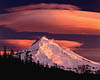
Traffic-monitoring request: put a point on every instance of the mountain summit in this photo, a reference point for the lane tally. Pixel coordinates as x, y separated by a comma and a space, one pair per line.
49, 53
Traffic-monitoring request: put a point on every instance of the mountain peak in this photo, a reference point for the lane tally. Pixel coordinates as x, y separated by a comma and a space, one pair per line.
44, 38
49, 53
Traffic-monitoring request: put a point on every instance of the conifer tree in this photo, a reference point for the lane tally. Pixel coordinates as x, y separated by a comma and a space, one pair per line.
5, 52
12, 52
30, 58
27, 56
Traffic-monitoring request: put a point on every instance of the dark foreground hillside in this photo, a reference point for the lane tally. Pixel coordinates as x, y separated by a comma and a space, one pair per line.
12, 65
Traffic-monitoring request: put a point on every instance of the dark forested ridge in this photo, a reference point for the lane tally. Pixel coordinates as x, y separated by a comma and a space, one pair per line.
12, 64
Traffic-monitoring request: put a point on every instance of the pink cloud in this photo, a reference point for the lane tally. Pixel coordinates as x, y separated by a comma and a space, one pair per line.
21, 44
53, 21
44, 6
67, 44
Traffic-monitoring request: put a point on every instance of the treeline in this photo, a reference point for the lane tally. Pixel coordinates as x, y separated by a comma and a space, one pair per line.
13, 60
12, 64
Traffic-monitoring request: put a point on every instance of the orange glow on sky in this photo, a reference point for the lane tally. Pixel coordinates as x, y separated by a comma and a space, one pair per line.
53, 21
67, 44
21, 44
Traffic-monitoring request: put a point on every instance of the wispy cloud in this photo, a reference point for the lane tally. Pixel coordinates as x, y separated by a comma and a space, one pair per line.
53, 21
67, 44
44, 6
21, 44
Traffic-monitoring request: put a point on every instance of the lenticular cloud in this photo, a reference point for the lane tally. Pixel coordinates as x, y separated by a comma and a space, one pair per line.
44, 6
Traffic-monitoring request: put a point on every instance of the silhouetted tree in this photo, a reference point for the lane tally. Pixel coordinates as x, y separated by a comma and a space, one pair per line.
27, 57
98, 71
32, 66
12, 52
84, 69
30, 58
0, 52
5, 52
18, 54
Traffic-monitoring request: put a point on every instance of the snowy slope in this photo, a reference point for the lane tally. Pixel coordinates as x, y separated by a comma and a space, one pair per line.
47, 52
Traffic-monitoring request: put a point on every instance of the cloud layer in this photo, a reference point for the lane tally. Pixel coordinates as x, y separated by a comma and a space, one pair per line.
44, 6
21, 44
53, 21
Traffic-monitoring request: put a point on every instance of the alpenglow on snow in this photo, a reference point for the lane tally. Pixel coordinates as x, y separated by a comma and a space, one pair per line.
49, 53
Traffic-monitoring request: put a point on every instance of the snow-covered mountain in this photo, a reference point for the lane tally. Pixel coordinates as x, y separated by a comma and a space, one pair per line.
47, 52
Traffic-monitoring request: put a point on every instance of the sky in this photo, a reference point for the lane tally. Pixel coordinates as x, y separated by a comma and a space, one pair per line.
72, 23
